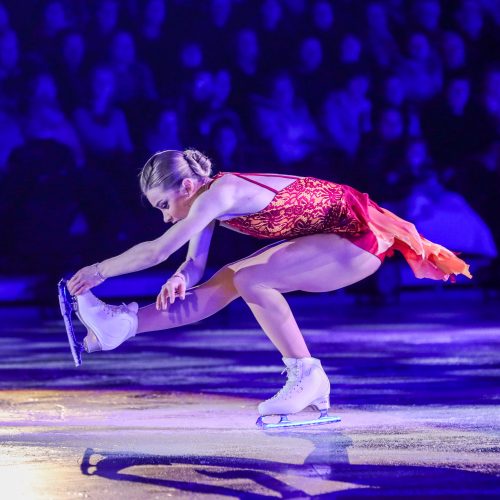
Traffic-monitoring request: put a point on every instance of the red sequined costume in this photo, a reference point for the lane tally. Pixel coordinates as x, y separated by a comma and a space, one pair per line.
310, 205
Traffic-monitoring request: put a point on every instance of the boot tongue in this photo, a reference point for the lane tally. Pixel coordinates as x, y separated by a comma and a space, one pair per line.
289, 362
306, 361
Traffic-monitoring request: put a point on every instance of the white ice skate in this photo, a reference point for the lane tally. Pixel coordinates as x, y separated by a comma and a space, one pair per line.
107, 325
307, 385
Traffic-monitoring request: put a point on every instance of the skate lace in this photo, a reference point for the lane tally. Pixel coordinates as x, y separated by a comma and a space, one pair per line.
292, 375
111, 310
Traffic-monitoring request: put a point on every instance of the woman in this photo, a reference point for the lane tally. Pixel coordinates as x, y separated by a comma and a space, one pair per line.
333, 236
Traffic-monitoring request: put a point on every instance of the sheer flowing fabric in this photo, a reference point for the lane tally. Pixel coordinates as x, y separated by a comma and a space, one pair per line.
427, 259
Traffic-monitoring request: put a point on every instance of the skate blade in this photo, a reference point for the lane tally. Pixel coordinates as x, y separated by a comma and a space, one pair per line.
65, 303
324, 418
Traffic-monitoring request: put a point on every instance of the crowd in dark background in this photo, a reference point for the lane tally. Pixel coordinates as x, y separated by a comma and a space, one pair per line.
400, 99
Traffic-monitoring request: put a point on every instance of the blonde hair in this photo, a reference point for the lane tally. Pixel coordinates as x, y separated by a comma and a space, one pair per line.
168, 168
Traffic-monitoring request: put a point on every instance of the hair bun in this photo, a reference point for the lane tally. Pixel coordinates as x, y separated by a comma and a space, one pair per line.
200, 164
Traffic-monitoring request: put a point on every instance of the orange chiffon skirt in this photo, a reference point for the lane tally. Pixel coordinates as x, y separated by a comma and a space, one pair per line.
387, 232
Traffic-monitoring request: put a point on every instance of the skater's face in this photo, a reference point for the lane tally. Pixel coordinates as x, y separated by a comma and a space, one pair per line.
174, 204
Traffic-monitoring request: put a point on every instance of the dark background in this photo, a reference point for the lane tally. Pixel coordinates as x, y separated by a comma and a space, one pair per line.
400, 99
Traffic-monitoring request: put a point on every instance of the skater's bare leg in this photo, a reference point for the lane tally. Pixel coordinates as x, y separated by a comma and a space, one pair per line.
275, 317
201, 302
314, 263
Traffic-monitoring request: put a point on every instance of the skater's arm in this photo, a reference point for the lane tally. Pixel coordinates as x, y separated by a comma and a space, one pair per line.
202, 214
204, 210
138, 257
190, 271
196, 260
207, 207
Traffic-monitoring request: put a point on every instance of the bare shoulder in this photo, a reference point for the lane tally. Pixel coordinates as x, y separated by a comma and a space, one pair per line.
218, 199
223, 183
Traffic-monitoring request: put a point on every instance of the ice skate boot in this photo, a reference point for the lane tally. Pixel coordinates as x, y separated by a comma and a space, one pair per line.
307, 385
108, 326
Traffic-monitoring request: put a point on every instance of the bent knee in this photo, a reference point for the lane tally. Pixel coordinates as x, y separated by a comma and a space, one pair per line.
235, 281
224, 279
247, 278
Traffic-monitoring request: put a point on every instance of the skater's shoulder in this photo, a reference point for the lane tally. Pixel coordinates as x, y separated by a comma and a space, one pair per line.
220, 186
220, 192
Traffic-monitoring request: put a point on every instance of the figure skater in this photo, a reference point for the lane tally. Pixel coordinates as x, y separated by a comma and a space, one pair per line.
330, 236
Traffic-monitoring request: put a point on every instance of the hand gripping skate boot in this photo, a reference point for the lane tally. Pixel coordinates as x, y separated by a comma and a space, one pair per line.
108, 326
307, 385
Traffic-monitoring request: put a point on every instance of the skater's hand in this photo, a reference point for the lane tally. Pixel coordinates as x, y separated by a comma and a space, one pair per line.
176, 284
83, 280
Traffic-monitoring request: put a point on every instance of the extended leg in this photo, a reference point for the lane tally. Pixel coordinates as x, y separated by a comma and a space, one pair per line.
201, 302
109, 326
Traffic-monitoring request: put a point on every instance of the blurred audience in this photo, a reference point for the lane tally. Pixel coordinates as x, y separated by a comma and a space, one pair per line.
284, 121
380, 41
12, 136
70, 67
165, 132
44, 118
101, 124
347, 114
421, 69
400, 99
134, 80
445, 217
453, 53
11, 74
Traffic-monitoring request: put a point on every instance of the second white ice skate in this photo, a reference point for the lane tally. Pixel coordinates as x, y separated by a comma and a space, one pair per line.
307, 385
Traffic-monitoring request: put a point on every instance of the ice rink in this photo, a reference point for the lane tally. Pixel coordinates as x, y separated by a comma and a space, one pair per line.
172, 413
